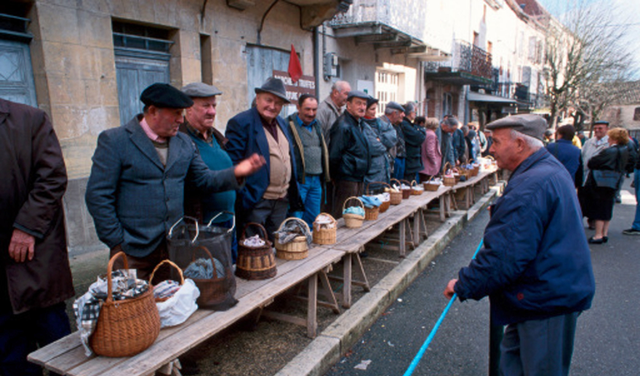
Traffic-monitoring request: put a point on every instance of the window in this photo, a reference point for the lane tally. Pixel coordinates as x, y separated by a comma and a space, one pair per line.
636, 114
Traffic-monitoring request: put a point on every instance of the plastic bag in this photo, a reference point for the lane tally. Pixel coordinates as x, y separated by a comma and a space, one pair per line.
177, 309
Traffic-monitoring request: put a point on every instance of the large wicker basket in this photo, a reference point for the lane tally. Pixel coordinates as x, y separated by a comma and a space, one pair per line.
125, 327
385, 204
416, 189
352, 220
448, 181
430, 186
255, 262
297, 249
324, 235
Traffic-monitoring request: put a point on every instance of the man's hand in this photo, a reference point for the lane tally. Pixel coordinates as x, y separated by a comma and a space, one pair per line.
22, 246
448, 292
249, 165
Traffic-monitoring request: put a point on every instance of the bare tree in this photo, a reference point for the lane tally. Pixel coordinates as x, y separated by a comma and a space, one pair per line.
584, 56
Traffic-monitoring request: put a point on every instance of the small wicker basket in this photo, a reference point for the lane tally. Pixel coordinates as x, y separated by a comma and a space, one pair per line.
396, 197
385, 204
430, 186
352, 220
324, 235
448, 181
297, 249
406, 193
416, 189
153, 273
125, 327
255, 262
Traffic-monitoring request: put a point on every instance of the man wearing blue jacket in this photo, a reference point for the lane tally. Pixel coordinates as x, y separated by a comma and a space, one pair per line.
535, 265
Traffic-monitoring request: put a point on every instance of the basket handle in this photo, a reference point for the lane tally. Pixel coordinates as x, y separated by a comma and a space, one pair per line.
414, 183
444, 168
394, 179
258, 225
153, 273
184, 219
294, 219
351, 198
206, 250
375, 182
328, 215
110, 269
405, 181
431, 178
233, 217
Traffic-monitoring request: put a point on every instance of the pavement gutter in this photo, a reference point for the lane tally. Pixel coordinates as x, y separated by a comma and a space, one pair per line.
326, 350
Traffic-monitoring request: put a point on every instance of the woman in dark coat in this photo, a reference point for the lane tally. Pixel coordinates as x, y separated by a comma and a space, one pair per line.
599, 200
414, 136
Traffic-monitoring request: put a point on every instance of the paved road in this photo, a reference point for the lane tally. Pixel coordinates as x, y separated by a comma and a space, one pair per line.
607, 340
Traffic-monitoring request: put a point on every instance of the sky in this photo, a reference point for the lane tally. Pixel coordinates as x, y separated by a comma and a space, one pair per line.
627, 10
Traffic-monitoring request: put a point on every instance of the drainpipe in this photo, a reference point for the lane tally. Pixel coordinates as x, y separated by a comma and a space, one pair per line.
316, 61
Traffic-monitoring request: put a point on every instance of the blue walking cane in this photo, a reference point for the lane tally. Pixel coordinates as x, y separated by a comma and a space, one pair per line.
427, 342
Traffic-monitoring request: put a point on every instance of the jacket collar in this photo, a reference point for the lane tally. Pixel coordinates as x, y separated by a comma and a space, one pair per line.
529, 162
142, 141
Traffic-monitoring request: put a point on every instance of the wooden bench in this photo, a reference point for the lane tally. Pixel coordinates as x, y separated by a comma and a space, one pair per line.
66, 356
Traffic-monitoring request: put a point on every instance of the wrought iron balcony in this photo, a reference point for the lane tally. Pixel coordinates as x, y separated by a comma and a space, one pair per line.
386, 23
469, 65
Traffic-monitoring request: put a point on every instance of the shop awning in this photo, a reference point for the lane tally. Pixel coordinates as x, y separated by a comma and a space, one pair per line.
478, 97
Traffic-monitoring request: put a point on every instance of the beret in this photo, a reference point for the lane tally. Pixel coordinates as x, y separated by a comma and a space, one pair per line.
200, 90
357, 94
395, 106
529, 124
165, 96
371, 101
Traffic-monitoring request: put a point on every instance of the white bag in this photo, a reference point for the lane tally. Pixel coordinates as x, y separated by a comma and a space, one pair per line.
177, 309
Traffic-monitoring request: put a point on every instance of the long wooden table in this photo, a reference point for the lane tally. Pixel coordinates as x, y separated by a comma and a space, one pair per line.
67, 357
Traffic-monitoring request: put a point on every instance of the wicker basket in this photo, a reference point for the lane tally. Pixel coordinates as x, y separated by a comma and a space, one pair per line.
476, 169
352, 220
385, 204
125, 327
416, 189
371, 214
153, 273
448, 181
324, 235
396, 197
297, 249
430, 186
255, 262
406, 193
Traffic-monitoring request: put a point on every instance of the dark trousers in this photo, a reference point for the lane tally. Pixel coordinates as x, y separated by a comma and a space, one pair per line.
268, 213
24, 333
144, 265
343, 190
538, 347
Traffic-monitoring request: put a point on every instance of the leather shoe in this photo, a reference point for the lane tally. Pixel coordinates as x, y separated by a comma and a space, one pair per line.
595, 241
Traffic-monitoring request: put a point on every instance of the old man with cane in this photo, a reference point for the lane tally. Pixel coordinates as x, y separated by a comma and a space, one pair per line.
535, 265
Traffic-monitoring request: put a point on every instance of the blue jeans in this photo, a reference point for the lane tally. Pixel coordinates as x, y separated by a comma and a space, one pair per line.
398, 169
311, 195
636, 181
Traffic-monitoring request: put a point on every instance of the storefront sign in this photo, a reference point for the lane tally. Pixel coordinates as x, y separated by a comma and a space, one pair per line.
305, 85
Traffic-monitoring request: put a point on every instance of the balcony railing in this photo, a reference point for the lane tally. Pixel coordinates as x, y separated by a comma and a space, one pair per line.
405, 16
465, 58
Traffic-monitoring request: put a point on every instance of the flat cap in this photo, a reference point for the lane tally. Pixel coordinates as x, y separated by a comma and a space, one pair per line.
529, 124
357, 94
409, 107
395, 106
200, 90
274, 86
601, 122
165, 96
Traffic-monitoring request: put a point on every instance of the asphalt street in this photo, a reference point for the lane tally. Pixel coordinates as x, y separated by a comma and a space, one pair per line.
607, 339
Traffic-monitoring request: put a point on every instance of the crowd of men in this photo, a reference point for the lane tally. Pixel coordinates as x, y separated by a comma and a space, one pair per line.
170, 161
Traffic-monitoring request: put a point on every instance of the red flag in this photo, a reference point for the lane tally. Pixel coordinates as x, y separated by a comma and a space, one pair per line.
295, 69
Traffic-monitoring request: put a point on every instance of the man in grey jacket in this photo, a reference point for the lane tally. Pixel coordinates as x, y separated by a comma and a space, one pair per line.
135, 191
331, 108
445, 134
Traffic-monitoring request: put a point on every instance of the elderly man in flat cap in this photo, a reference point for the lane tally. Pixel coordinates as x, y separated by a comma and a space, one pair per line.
349, 156
135, 191
414, 136
272, 191
535, 265
199, 126
393, 115
445, 133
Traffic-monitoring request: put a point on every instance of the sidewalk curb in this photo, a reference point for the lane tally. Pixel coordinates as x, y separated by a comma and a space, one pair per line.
327, 349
